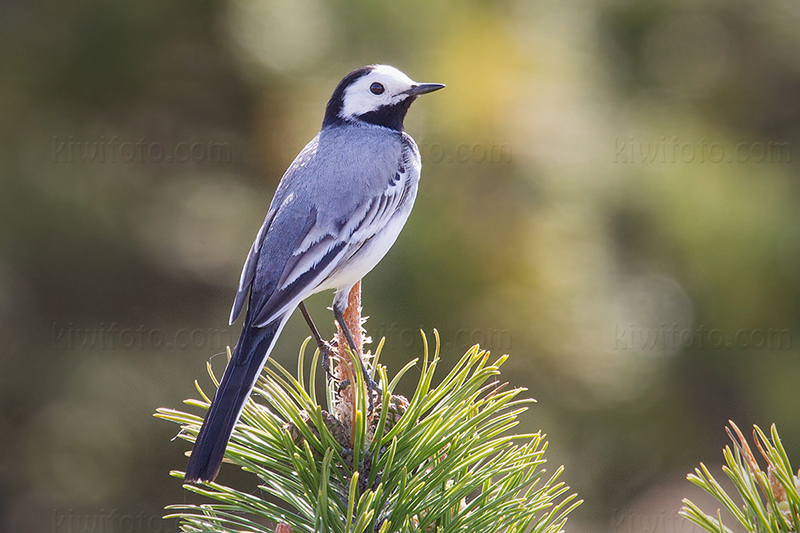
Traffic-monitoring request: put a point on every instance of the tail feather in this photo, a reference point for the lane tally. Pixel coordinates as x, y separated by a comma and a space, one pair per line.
240, 375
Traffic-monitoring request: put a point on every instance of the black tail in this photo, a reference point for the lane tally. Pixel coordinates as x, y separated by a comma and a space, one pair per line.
240, 375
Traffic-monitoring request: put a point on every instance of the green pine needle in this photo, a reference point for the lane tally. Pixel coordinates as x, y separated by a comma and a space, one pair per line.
442, 462
769, 499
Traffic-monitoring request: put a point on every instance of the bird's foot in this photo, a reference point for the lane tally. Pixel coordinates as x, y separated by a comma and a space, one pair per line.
327, 352
372, 387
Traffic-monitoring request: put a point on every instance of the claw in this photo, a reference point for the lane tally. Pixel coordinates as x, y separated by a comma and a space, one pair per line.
370, 383
372, 387
324, 347
327, 351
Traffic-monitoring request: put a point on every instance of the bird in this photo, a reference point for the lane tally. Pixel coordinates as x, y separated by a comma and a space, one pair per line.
336, 212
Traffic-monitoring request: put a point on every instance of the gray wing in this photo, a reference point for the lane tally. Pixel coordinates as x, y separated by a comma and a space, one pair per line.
322, 249
379, 210
302, 244
249, 270
283, 197
273, 253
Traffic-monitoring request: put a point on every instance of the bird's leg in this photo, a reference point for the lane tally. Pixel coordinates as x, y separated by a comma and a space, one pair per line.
324, 348
371, 385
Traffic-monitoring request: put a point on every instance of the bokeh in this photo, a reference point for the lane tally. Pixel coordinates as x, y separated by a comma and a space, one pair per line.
609, 194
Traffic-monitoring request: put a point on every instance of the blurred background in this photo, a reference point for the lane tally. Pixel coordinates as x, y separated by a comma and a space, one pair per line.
609, 194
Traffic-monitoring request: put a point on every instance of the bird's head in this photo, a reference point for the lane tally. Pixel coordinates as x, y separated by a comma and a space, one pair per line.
377, 94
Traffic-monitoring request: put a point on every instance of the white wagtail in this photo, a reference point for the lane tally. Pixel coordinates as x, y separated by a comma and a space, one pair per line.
336, 212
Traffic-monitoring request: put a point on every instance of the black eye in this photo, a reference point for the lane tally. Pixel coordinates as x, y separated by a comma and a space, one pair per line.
376, 88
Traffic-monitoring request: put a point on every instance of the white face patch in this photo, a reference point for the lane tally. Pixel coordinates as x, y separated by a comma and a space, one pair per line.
359, 99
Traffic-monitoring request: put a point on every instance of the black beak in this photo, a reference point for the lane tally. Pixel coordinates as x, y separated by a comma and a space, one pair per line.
424, 88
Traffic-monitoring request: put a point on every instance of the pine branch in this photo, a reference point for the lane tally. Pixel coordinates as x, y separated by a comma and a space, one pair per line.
443, 461
770, 501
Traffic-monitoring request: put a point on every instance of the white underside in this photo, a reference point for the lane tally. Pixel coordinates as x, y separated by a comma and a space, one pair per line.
345, 276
